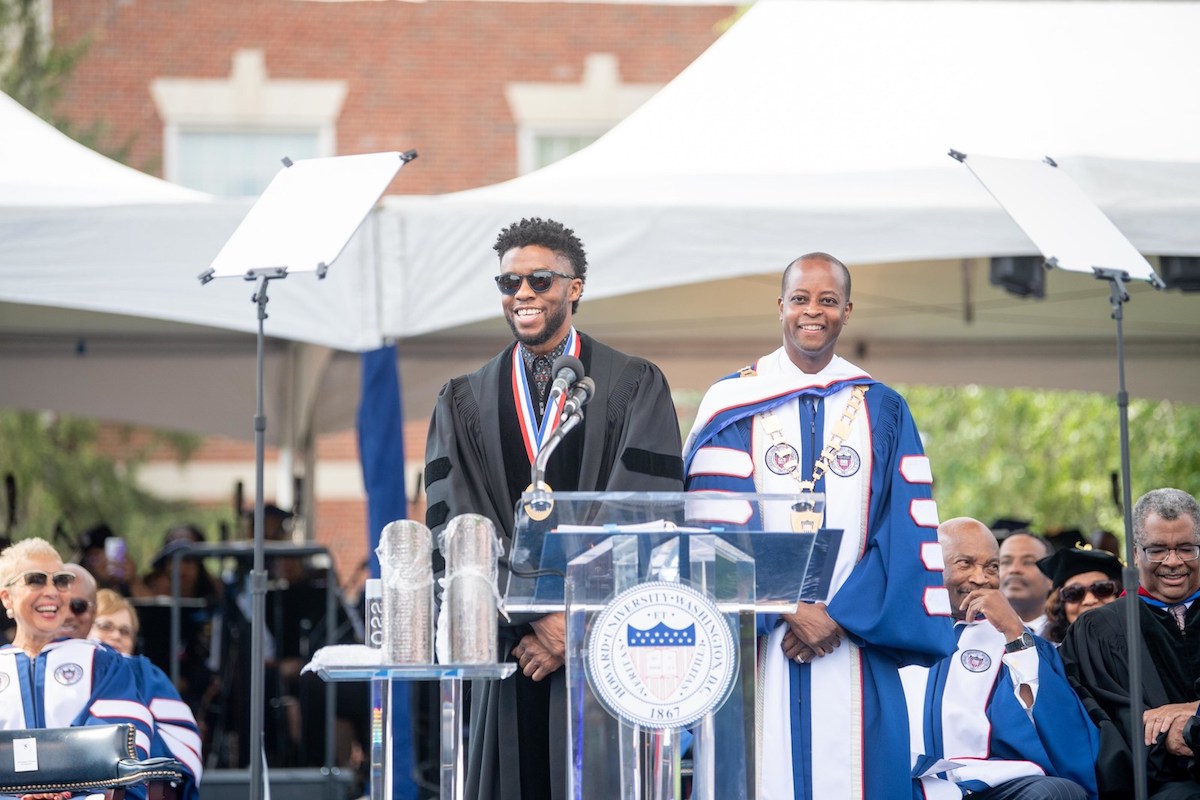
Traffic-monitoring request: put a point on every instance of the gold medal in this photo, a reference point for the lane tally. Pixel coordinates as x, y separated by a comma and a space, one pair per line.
807, 514
538, 510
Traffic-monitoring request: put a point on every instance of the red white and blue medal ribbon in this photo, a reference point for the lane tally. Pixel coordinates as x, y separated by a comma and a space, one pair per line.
532, 431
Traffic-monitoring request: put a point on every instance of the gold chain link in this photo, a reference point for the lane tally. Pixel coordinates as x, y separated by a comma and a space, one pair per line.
803, 517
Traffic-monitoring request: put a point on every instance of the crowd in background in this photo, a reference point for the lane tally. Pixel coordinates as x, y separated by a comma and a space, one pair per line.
1049, 581
115, 602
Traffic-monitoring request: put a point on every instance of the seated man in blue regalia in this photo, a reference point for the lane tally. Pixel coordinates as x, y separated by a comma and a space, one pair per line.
997, 719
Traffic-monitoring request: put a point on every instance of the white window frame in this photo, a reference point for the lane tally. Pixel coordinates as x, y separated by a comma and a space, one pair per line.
248, 101
590, 107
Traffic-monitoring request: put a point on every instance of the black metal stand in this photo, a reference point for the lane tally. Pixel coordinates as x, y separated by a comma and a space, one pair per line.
1133, 633
258, 573
348, 183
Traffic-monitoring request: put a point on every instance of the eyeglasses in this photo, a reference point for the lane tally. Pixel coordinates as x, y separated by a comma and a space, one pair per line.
1157, 555
540, 280
36, 579
78, 605
111, 627
1101, 590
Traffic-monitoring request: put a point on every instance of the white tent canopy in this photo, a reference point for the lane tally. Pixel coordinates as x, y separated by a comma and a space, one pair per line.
827, 124
101, 313
42, 167
811, 124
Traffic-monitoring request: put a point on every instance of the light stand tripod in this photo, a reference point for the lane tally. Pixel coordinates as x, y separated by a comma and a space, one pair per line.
1073, 234
1120, 296
332, 196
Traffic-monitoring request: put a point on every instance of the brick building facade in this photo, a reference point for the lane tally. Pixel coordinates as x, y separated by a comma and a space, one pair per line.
468, 84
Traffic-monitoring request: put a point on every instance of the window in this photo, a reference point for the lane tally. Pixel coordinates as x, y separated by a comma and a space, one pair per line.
236, 163
556, 119
229, 137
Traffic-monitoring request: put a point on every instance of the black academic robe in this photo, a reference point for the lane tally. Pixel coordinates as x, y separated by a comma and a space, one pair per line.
476, 462
1095, 653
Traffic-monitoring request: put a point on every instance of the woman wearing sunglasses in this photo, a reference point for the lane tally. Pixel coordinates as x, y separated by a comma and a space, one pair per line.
1081, 580
48, 680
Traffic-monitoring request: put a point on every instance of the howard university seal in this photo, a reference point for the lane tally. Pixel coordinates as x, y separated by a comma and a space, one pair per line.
68, 674
976, 660
846, 462
661, 655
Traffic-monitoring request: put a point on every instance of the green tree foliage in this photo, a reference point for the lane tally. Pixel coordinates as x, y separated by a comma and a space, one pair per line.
1049, 457
1045, 456
65, 484
35, 69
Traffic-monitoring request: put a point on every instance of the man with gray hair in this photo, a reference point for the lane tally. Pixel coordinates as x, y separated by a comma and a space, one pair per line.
1166, 538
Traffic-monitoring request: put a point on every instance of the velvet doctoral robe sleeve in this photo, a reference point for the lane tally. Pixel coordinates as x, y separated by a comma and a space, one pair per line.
637, 448
116, 698
894, 599
462, 473
176, 734
1060, 738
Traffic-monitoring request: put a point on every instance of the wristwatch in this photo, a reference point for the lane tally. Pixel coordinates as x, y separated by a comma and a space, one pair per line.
1022, 642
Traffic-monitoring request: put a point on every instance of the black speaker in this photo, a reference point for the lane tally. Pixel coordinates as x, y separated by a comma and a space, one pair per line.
1020, 275
1181, 272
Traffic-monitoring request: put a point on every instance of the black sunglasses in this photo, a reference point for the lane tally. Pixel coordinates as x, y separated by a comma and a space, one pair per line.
36, 579
540, 280
78, 605
1101, 590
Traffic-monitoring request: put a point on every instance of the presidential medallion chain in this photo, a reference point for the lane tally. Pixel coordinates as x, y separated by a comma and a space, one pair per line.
805, 516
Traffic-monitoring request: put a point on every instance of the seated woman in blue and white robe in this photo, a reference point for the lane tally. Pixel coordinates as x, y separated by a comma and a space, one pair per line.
48, 681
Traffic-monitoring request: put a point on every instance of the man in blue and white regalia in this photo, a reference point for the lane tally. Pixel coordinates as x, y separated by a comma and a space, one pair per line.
998, 718
833, 721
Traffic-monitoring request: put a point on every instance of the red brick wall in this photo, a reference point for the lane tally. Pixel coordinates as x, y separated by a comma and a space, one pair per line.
428, 76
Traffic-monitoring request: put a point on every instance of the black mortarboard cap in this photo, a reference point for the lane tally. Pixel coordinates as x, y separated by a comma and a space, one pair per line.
1072, 561
1005, 527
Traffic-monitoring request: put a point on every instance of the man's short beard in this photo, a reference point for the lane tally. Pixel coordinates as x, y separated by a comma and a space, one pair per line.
554, 321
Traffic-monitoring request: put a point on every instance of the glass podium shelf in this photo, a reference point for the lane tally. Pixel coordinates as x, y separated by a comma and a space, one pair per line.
414, 672
381, 678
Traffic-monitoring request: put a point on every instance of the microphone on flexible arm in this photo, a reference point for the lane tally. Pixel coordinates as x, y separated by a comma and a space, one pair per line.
567, 370
539, 507
581, 393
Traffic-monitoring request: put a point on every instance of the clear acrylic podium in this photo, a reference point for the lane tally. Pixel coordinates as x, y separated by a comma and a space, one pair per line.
660, 592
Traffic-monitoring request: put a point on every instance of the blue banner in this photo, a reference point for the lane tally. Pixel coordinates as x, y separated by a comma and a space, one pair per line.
381, 449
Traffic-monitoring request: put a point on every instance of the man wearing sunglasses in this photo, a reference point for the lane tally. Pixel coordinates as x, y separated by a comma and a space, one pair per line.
1000, 706
484, 436
82, 606
1166, 551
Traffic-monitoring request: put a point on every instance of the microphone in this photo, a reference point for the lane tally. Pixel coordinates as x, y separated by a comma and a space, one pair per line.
567, 369
581, 393
572, 415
